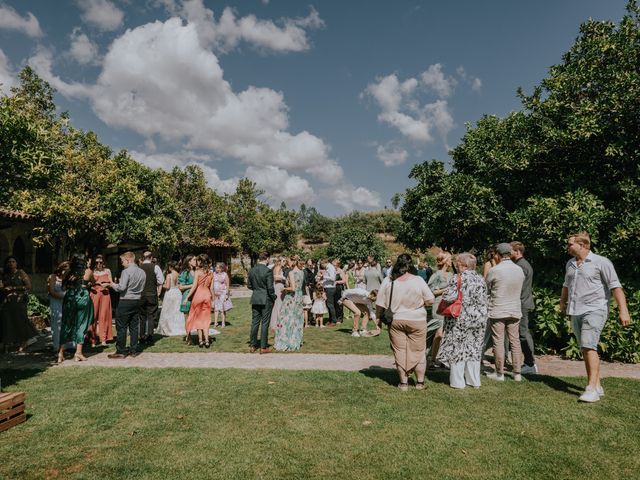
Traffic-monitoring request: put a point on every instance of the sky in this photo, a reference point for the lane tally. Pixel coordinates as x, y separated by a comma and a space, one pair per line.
328, 103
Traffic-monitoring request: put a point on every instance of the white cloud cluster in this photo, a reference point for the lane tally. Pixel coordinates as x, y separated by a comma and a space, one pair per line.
392, 155
82, 49
161, 81
103, 14
12, 20
474, 82
226, 33
401, 108
349, 197
7, 75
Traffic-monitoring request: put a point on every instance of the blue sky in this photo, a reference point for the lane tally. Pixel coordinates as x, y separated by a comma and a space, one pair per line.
328, 103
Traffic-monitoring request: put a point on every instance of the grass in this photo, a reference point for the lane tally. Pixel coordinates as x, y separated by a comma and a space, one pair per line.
97, 423
235, 337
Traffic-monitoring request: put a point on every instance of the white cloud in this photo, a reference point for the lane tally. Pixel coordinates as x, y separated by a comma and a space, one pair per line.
82, 49
7, 75
279, 185
474, 82
402, 106
392, 156
351, 198
225, 34
102, 14
160, 81
167, 161
433, 78
11, 20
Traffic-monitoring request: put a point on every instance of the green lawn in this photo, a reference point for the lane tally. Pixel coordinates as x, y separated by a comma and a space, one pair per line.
88, 423
235, 337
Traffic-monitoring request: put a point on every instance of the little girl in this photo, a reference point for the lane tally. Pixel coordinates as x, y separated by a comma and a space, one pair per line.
319, 307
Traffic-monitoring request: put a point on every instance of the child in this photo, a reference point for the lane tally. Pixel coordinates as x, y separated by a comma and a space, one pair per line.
319, 307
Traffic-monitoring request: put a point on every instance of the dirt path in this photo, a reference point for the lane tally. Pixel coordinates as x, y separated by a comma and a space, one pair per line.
548, 365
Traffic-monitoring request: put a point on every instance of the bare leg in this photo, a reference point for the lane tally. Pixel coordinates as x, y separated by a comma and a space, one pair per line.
79, 357
61, 354
215, 319
592, 363
435, 346
223, 316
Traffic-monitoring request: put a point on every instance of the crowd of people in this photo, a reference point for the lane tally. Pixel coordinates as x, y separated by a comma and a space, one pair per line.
447, 318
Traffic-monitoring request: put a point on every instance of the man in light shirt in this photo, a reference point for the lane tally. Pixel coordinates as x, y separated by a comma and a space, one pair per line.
590, 280
504, 286
329, 284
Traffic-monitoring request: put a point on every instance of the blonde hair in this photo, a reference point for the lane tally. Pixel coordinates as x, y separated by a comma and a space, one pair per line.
582, 238
129, 256
443, 258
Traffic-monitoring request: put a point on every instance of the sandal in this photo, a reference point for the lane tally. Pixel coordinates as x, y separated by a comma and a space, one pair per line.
403, 387
201, 344
420, 386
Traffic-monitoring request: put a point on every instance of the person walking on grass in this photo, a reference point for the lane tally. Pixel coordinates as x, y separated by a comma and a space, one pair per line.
590, 280
260, 282
504, 285
527, 306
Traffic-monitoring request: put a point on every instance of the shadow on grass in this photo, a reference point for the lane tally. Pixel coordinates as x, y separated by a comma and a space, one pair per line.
557, 384
389, 375
12, 376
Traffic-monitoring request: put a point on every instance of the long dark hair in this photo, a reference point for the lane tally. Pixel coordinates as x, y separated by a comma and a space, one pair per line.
404, 264
171, 265
77, 267
184, 266
204, 261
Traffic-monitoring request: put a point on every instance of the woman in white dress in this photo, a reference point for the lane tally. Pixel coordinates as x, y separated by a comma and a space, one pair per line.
171, 318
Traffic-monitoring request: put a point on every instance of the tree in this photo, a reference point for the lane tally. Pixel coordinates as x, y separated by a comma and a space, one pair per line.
354, 243
568, 160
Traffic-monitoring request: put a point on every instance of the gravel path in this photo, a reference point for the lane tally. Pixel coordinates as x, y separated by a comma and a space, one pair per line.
548, 365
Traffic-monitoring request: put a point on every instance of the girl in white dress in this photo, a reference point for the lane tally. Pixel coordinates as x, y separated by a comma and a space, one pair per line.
319, 308
171, 318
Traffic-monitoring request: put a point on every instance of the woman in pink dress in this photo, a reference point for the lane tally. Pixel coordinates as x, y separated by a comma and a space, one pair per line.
220, 294
200, 296
102, 326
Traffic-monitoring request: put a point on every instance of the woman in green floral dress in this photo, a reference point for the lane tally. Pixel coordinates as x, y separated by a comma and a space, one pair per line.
185, 282
290, 324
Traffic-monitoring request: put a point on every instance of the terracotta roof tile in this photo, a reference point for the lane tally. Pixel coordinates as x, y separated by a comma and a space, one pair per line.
14, 214
218, 242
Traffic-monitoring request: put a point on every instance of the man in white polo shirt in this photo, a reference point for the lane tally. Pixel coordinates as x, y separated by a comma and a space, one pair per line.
589, 282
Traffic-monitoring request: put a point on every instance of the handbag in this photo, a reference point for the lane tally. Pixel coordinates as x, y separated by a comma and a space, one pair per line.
227, 305
387, 315
452, 309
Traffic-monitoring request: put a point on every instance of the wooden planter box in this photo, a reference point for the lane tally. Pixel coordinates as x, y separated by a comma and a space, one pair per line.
11, 410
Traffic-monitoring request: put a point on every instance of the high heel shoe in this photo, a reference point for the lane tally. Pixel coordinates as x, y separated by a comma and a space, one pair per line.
201, 344
60, 358
79, 358
207, 344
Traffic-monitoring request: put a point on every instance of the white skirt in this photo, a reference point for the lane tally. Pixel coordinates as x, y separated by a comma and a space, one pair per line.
171, 322
319, 307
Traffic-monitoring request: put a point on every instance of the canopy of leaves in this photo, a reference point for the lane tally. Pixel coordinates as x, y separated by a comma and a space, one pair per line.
354, 243
569, 160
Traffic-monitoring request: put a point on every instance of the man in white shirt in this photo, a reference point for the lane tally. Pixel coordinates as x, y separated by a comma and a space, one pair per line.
329, 284
361, 303
504, 286
590, 280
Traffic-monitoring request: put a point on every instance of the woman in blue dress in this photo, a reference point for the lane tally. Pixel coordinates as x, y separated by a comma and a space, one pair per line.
56, 295
290, 324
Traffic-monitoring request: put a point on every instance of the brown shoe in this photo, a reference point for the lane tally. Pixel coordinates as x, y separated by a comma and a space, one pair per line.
134, 354
253, 349
116, 355
265, 350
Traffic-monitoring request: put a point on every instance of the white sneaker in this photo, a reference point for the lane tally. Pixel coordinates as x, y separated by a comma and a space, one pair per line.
590, 395
496, 376
355, 333
364, 333
517, 377
527, 370
600, 391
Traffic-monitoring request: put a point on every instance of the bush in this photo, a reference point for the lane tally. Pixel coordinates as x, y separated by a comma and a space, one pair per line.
237, 279
552, 330
36, 308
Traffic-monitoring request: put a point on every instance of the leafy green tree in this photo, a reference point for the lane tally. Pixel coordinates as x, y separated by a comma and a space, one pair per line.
354, 243
568, 160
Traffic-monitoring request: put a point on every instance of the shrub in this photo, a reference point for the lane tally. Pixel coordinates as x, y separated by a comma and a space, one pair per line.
552, 330
36, 308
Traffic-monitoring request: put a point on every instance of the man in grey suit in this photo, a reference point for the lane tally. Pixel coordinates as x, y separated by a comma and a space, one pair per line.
262, 298
526, 300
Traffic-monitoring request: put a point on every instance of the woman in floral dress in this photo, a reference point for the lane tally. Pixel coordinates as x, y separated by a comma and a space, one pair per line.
290, 324
463, 336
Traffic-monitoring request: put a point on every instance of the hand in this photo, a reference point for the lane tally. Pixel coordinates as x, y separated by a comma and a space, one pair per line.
625, 320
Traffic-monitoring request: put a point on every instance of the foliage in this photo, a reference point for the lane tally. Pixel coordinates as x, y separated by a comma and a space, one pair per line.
355, 243
552, 330
313, 226
36, 308
568, 160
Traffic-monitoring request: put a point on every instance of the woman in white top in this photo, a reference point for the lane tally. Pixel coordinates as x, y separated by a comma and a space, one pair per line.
408, 331
360, 303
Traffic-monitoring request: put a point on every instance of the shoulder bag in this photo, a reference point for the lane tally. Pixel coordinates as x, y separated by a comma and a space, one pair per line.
387, 315
452, 309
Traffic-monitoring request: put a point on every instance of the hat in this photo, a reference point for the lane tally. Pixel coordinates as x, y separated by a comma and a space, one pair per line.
503, 249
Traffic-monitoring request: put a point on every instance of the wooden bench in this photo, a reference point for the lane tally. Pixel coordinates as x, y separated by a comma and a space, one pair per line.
11, 410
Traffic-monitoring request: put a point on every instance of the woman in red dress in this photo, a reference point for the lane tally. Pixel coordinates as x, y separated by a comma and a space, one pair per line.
200, 296
102, 315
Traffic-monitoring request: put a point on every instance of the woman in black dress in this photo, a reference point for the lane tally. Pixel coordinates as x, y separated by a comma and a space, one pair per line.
15, 326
